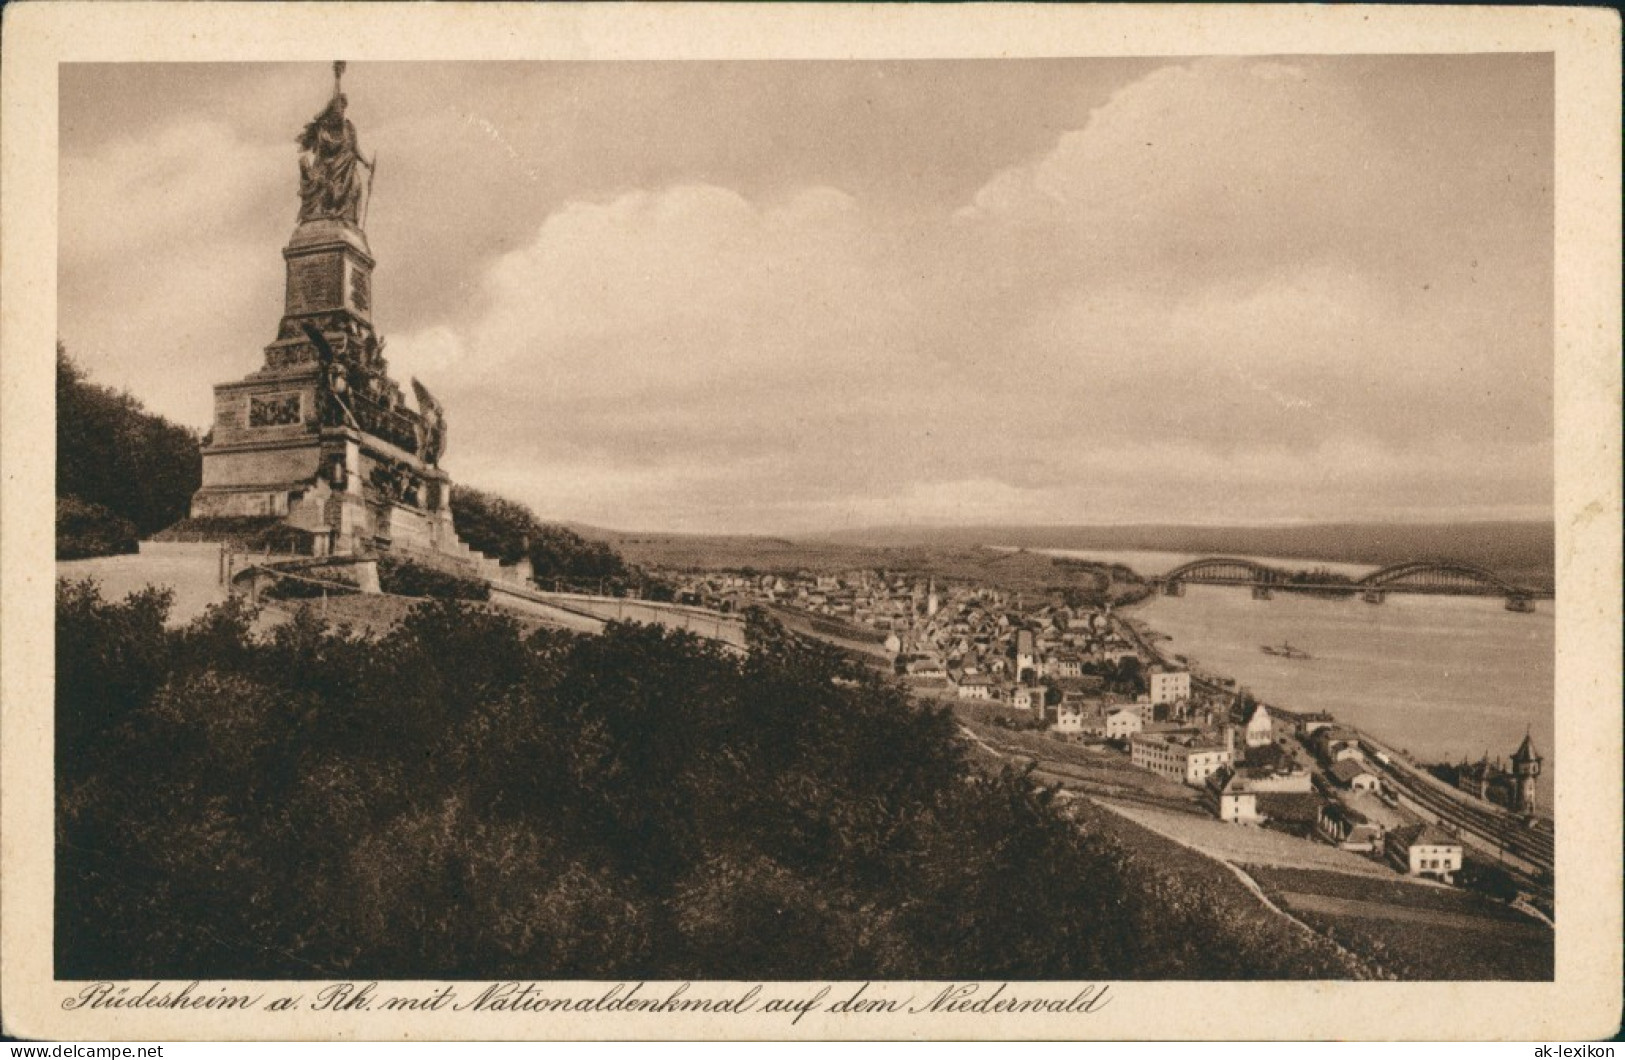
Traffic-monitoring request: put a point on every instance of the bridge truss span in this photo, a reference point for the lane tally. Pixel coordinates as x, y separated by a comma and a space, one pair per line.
1436, 577
1425, 576
1223, 570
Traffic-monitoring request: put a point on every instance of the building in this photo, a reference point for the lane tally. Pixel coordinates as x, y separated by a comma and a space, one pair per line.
1122, 723
1526, 763
1071, 718
1026, 654
1064, 664
1242, 795
1029, 697
1169, 685
1348, 828
1334, 743
1514, 787
1423, 850
975, 686
925, 666
1188, 756
1231, 798
1353, 774
1257, 727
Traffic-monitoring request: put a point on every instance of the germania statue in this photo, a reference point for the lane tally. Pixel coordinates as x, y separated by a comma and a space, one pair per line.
330, 163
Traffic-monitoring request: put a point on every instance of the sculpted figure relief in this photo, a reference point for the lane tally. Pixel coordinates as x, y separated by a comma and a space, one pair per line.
330, 163
432, 433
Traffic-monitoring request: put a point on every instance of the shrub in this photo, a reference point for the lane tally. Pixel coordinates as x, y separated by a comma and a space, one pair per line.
509, 530
308, 585
112, 452
84, 529
457, 800
403, 577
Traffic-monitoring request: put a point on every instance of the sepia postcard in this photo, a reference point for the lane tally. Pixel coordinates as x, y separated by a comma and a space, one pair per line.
810, 521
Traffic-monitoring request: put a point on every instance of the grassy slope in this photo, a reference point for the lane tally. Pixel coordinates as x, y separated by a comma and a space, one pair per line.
1500, 944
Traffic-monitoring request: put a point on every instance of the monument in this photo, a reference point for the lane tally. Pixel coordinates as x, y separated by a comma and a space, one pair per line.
320, 437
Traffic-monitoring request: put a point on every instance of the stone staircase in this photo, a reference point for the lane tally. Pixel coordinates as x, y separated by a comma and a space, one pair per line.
458, 558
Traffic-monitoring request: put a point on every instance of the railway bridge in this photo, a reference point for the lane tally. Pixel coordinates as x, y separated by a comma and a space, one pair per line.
1430, 577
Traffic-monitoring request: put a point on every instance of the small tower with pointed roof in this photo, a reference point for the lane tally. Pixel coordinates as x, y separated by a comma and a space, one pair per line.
1525, 768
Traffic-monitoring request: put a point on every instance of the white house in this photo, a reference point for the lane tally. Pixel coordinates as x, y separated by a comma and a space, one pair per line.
1258, 728
1122, 724
1423, 850
976, 686
1187, 757
1232, 798
1169, 685
1028, 697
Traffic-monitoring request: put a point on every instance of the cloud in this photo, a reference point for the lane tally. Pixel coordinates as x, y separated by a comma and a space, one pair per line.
163, 257
190, 180
1239, 289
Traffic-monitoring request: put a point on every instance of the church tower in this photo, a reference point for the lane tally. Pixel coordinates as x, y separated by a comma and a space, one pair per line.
1525, 768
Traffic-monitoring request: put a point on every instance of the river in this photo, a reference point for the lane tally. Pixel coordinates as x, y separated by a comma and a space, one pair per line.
1439, 676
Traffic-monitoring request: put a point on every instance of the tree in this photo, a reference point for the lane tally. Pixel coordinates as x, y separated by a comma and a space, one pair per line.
117, 464
509, 530
456, 798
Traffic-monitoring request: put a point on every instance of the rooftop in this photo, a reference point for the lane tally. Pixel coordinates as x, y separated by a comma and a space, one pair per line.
1423, 835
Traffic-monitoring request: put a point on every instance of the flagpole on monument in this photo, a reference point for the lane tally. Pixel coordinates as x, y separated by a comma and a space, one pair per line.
339, 66
366, 207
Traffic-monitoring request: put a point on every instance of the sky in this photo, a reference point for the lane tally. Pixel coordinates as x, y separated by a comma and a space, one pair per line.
780, 297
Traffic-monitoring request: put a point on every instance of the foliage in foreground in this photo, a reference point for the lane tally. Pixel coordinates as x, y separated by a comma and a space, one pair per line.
453, 799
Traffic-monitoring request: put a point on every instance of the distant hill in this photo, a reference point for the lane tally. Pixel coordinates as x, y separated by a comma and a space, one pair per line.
1515, 548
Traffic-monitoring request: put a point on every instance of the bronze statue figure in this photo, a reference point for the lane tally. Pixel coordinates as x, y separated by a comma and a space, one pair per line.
432, 444
330, 163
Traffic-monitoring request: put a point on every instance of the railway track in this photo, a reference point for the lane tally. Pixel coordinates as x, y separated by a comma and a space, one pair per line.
1493, 829
1534, 846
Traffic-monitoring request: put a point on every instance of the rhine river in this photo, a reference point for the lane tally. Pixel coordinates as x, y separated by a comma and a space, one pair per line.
1438, 676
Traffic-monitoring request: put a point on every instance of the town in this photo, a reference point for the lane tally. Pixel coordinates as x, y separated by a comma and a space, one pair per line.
1091, 677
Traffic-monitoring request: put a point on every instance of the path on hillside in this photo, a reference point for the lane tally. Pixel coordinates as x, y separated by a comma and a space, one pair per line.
1251, 885
1242, 844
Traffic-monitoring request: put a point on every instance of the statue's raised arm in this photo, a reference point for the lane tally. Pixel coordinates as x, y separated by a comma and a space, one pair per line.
330, 161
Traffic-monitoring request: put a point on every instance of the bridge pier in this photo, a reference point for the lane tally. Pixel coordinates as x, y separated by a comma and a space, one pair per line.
1261, 592
1374, 596
1520, 603
1175, 588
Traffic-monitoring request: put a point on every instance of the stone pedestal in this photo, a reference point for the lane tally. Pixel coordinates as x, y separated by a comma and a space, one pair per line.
320, 437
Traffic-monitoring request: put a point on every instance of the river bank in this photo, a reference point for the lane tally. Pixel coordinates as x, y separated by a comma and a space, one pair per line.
1442, 678
1487, 823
